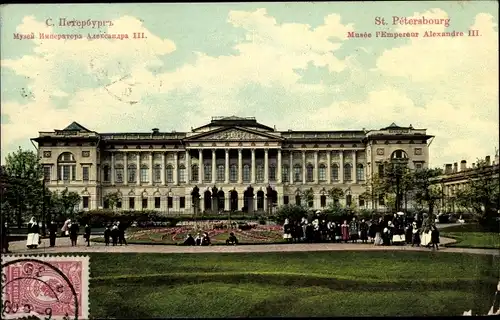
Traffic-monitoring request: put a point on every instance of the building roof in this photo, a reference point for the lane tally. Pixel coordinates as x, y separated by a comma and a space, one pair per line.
75, 126
234, 121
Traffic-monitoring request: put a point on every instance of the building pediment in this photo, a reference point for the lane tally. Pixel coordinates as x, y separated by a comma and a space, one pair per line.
233, 134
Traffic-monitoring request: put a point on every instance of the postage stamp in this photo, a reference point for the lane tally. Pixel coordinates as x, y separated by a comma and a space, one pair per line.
47, 287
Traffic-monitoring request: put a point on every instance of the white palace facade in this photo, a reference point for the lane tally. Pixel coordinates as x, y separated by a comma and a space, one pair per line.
241, 157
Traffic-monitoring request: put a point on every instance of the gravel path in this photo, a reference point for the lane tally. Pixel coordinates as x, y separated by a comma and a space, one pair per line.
63, 246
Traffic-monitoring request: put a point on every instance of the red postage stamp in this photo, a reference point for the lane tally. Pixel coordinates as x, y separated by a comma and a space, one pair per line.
47, 287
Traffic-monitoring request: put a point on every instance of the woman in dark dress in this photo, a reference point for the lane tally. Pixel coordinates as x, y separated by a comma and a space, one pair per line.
52, 233
74, 229
87, 234
434, 237
363, 227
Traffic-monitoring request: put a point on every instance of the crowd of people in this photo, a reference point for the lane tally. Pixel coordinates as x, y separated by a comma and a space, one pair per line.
204, 240
382, 231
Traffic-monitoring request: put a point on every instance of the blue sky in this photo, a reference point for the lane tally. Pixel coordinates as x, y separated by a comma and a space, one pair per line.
287, 64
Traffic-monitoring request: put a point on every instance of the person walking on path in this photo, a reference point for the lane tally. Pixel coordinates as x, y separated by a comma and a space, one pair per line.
74, 229
434, 238
121, 234
115, 233
107, 235
87, 234
52, 234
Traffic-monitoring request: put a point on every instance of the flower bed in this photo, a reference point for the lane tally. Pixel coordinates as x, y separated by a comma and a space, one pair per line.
252, 233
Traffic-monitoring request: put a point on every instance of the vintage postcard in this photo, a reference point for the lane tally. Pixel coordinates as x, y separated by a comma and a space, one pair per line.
287, 159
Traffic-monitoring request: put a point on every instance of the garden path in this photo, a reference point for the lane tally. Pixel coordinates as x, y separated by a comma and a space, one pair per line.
63, 246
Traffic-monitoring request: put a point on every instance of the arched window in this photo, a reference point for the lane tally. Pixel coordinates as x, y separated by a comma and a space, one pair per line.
399, 154
207, 172
233, 173
285, 173
157, 173
144, 173
119, 173
246, 173
335, 172
347, 172
322, 172
221, 174
106, 170
170, 174
195, 172
272, 172
182, 173
297, 173
132, 171
360, 172
66, 167
260, 173
310, 173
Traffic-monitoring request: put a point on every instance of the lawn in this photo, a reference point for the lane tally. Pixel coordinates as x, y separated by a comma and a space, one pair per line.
471, 236
290, 284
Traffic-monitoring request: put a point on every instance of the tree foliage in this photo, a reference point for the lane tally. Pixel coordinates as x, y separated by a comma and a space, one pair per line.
290, 211
335, 194
481, 194
64, 204
23, 197
308, 196
112, 199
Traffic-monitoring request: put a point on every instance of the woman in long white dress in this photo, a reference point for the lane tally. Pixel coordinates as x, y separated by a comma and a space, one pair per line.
33, 234
287, 230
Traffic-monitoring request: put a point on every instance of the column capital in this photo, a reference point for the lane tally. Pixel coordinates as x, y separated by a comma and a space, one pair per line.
226, 150
240, 150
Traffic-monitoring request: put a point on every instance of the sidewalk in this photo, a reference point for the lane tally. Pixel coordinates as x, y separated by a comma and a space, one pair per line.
63, 245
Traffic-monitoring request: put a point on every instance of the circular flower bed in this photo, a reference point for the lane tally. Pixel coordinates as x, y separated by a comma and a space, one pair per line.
245, 232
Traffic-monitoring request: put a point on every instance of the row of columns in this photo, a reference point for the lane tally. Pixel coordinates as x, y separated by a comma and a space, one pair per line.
240, 167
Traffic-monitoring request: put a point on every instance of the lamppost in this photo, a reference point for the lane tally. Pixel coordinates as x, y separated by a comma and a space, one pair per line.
398, 167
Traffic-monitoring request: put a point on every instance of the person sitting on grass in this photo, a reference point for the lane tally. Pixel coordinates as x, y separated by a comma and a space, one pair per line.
189, 241
205, 241
232, 239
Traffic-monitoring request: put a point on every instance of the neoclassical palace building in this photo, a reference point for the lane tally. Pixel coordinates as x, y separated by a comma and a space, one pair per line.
238, 158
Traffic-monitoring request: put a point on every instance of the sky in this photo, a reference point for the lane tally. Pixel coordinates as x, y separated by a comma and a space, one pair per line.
290, 65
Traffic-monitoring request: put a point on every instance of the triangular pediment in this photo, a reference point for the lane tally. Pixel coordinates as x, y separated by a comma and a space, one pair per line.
75, 126
233, 134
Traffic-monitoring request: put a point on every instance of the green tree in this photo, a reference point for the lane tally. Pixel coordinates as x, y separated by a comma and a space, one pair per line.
290, 211
308, 197
64, 203
425, 191
481, 194
112, 199
24, 196
335, 194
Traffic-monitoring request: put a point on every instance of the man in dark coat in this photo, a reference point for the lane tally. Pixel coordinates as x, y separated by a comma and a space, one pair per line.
5, 238
107, 235
87, 234
363, 228
121, 234
52, 233
74, 229
115, 234
189, 241
434, 237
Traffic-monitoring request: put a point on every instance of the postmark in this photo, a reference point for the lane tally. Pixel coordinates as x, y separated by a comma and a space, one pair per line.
46, 287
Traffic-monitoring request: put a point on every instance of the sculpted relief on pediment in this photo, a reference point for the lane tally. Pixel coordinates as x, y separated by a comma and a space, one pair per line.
234, 135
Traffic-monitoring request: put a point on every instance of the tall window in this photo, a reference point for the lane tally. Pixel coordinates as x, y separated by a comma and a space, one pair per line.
221, 173
310, 173
106, 173
85, 173
207, 172
182, 174
347, 172
66, 167
233, 173
195, 172
46, 173
322, 172
285, 175
360, 172
381, 170
246, 173
297, 173
144, 203
131, 202
119, 173
157, 202
322, 201
85, 201
335, 172
157, 173
132, 171
418, 165
272, 173
260, 173
144, 173
170, 174
182, 202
